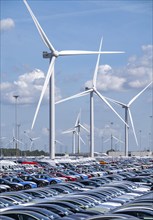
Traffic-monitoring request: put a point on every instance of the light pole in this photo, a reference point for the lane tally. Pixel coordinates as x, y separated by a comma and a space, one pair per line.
149, 142
102, 144
18, 134
151, 133
16, 125
112, 136
140, 141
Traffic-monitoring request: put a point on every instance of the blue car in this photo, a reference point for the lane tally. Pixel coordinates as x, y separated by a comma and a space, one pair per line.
52, 180
26, 184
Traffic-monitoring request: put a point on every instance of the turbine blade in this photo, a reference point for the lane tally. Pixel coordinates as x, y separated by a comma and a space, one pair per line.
78, 118
84, 52
13, 132
135, 97
68, 131
74, 96
39, 28
56, 141
103, 98
18, 141
2, 138
115, 101
132, 124
50, 70
117, 139
9, 143
82, 140
106, 140
84, 128
33, 139
97, 65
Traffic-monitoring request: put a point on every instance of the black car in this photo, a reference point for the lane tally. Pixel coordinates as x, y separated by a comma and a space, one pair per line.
143, 180
14, 186
20, 214
39, 182
141, 212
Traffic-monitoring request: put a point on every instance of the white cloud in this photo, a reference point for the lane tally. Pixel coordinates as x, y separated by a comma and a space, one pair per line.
106, 80
139, 69
28, 86
136, 74
7, 24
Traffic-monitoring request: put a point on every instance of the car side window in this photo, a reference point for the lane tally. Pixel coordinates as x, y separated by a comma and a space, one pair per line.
143, 215
25, 217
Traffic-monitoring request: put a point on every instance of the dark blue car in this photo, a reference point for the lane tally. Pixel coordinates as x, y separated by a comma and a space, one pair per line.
52, 180
26, 184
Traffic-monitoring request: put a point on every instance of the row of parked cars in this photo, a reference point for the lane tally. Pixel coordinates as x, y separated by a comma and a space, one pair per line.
116, 190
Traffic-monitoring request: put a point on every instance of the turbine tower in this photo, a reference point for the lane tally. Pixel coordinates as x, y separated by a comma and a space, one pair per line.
76, 130
91, 91
128, 113
50, 77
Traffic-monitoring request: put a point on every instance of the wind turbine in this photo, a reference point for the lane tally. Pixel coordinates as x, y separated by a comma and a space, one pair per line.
60, 144
91, 91
111, 140
14, 140
76, 130
128, 113
50, 77
31, 140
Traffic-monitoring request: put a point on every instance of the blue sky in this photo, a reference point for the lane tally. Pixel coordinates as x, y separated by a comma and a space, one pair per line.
124, 25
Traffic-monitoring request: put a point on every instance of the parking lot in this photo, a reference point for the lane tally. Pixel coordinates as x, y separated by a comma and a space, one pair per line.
77, 189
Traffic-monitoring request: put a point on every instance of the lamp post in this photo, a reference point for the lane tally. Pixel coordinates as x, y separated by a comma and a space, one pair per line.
16, 125
112, 136
102, 144
151, 133
140, 141
18, 134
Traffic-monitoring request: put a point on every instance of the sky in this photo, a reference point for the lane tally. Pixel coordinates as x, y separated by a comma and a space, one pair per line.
80, 25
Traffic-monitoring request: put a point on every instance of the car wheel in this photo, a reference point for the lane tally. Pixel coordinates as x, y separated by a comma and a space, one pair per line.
27, 187
53, 182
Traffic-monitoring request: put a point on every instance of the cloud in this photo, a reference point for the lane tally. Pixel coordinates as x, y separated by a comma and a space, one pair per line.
28, 86
6, 24
106, 79
139, 69
135, 75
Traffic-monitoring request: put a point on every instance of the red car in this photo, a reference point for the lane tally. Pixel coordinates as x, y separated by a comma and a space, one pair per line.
69, 177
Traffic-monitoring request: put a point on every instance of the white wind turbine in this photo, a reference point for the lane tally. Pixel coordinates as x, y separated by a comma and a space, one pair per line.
128, 113
31, 140
76, 130
91, 91
57, 142
14, 140
50, 77
111, 140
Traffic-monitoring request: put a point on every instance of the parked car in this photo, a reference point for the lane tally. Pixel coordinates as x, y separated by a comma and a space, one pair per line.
39, 182
20, 214
52, 180
113, 217
69, 177
141, 212
143, 180
4, 188
14, 186
25, 184
89, 182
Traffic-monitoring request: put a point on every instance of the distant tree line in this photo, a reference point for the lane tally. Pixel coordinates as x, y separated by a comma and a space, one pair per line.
4, 152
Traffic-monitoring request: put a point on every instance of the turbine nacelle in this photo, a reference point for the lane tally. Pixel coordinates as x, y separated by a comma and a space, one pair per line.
50, 55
